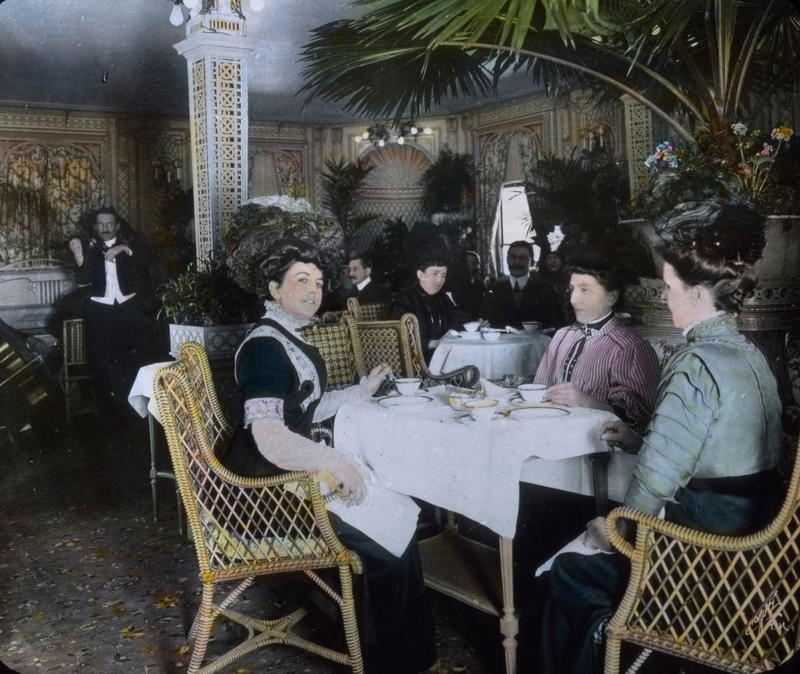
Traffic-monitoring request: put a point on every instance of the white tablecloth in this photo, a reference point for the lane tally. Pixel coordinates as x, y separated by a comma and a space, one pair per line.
511, 354
141, 397
472, 468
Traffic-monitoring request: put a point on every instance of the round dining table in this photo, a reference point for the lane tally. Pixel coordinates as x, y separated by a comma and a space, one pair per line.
512, 353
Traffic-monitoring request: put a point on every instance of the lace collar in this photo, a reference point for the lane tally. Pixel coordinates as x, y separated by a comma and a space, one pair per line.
275, 312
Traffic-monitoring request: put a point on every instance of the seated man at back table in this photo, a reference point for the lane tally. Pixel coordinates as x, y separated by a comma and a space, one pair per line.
364, 288
513, 300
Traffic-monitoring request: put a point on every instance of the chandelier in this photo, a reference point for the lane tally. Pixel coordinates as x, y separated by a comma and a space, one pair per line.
379, 134
176, 17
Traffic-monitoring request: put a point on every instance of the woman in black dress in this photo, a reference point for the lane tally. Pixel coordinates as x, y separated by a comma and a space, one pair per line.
282, 380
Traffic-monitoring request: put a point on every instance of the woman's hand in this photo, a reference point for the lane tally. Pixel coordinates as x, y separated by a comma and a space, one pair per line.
571, 396
596, 536
370, 384
351, 485
619, 434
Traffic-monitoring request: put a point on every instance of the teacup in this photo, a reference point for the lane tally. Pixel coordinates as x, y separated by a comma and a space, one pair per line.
407, 387
481, 409
533, 393
491, 336
531, 326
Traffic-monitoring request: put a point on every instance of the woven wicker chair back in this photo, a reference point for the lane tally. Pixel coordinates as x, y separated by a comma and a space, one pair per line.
729, 602
375, 311
198, 370
376, 342
333, 342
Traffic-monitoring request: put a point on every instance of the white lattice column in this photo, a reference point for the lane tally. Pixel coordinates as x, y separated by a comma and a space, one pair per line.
215, 49
639, 129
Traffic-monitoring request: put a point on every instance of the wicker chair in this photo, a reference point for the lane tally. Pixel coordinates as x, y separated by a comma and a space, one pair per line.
468, 376
333, 342
732, 603
246, 527
377, 311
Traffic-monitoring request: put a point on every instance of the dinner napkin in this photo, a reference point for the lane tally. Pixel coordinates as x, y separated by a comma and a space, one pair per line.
453, 334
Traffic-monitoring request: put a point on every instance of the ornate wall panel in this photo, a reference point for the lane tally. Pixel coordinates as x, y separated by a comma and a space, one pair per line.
46, 187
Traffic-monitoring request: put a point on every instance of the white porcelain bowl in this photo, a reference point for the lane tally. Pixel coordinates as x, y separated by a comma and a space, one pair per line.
482, 409
533, 393
407, 387
491, 336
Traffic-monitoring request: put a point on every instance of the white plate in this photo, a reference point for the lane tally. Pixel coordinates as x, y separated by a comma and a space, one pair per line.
538, 412
405, 401
469, 421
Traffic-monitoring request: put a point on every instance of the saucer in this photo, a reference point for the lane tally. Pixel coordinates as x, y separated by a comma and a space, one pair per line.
531, 411
405, 401
469, 421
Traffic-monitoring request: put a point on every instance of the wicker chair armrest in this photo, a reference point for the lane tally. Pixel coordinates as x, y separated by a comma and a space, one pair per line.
646, 523
468, 376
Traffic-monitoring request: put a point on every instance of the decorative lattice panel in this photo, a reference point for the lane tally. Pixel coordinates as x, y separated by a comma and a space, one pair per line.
638, 123
203, 221
227, 123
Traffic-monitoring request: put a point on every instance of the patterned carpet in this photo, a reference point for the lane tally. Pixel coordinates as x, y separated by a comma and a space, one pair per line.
90, 583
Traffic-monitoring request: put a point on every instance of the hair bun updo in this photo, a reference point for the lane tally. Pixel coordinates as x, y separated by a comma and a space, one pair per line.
714, 243
726, 230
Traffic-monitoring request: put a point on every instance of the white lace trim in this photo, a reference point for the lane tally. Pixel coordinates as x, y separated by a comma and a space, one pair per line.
262, 408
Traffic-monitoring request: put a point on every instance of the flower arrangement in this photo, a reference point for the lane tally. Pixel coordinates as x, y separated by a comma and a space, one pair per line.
763, 168
757, 154
663, 158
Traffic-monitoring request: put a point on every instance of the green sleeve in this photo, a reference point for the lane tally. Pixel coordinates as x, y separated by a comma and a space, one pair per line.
686, 406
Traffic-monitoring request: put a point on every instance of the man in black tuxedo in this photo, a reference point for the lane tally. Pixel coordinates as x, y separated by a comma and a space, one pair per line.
513, 299
364, 288
117, 271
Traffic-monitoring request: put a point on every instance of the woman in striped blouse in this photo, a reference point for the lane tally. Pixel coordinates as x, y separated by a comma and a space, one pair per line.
597, 361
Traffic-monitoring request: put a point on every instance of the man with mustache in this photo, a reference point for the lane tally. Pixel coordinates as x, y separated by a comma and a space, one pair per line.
513, 299
117, 271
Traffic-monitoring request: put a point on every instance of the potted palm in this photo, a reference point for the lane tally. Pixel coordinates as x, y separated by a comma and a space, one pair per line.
205, 305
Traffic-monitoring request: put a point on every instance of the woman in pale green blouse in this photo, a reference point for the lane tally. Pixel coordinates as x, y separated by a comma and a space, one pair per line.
709, 454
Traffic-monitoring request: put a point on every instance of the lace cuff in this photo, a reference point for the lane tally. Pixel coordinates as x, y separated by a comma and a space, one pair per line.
262, 408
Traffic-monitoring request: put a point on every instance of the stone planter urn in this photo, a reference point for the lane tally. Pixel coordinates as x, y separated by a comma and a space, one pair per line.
220, 341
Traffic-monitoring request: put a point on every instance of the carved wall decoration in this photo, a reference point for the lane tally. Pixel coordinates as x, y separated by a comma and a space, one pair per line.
45, 189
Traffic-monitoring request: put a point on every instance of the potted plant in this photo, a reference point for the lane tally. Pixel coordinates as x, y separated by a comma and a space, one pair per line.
205, 305
449, 183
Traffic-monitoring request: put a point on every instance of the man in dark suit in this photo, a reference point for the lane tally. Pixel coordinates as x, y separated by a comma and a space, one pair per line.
364, 288
117, 271
513, 299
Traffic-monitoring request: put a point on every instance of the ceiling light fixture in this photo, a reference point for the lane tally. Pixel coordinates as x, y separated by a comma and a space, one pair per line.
195, 7
379, 134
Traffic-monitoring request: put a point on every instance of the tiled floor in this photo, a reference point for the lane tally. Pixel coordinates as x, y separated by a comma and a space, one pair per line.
90, 583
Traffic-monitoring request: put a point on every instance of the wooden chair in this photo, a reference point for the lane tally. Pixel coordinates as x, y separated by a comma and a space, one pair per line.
75, 368
244, 528
728, 602
377, 311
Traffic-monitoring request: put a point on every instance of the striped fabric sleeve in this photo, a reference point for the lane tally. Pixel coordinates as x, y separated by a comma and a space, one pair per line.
633, 384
